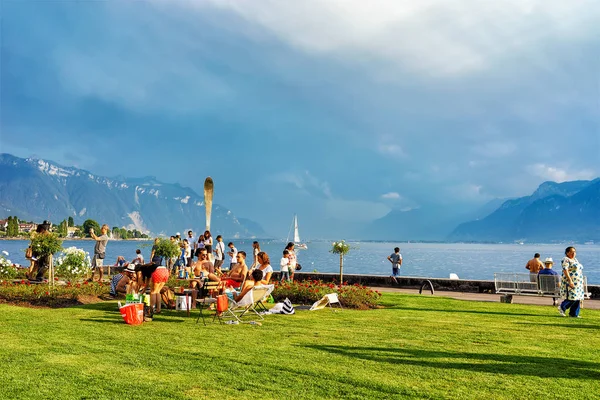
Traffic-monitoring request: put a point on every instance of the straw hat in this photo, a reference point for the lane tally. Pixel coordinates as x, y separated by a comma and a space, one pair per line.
548, 261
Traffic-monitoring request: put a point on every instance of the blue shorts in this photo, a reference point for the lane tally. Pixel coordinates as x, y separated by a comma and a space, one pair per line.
395, 271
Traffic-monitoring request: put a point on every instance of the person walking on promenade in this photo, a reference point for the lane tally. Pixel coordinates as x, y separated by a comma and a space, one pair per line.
99, 250
534, 266
396, 259
548, 263
571, 288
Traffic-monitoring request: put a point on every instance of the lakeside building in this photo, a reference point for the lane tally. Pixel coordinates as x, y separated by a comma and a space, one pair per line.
27, 228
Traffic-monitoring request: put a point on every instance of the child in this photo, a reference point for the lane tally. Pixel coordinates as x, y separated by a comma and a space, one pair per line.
285, 263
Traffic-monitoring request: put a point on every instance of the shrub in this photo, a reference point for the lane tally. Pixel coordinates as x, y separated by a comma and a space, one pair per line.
73, 263
7, 269
44, 244
307, 292
166, 248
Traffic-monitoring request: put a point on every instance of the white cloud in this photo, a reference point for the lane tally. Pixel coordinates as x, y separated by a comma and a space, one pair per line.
391, 196
558, 174
431, 37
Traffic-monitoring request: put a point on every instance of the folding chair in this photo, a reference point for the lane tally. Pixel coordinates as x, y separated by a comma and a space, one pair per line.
325, 301
205, 297
246, 304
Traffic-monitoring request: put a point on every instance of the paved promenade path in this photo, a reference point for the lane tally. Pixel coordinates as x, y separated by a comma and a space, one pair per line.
540, 301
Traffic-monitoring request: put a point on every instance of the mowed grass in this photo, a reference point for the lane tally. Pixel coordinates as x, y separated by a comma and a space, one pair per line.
416, 347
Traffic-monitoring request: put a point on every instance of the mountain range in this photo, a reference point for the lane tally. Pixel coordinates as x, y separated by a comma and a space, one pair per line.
554, 212
568, 211
35, 189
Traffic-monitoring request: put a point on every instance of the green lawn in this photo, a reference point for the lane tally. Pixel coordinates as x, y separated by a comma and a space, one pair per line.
418, 346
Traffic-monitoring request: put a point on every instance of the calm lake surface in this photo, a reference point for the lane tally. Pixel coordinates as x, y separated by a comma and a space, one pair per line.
435, 260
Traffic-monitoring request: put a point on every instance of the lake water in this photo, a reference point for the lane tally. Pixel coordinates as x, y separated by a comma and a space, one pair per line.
435, 260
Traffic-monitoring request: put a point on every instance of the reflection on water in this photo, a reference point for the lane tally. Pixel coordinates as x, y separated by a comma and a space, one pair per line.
436, 260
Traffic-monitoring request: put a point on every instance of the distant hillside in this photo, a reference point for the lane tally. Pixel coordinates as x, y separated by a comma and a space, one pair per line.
38, 189
430, 222
568, 211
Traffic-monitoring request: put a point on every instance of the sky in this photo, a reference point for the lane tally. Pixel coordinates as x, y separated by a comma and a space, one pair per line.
334, 110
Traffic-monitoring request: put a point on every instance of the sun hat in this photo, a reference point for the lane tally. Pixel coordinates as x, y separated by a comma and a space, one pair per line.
548, 261
130, 268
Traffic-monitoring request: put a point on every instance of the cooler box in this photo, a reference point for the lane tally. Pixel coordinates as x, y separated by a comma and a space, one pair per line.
181, 303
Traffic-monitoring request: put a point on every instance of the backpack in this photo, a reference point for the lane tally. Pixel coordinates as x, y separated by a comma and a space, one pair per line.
168, 297
29, 253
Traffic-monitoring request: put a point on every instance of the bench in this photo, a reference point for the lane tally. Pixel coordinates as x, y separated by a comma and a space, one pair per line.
509, 284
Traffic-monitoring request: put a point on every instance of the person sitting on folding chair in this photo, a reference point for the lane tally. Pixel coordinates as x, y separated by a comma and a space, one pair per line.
238, 272
203, 269
257, 276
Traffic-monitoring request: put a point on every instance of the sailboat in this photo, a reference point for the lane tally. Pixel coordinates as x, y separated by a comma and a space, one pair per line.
298, 245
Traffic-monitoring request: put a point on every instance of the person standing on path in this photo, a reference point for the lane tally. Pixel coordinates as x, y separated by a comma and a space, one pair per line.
571, 288
99, 250
293, 260
396, 260
42, 261
232, 253
534, 266
219, 252
192, 243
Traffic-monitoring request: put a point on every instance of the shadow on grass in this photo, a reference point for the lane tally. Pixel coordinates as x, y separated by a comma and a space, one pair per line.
102, 306
471, 312
576, 326
103, 320
543, 367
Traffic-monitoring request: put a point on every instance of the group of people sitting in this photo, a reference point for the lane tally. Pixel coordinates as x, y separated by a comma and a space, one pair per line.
238, 279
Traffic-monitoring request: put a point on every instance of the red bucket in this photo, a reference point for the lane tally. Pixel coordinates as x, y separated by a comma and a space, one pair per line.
133, 314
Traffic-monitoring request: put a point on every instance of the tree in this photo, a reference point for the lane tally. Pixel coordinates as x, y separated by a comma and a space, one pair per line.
116, 232
342, 248
123, 233
70, 222
90, 223
12, 229
62, 229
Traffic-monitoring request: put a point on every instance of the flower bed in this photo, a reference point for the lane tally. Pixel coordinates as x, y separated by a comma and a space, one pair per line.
7, 269
307, 292
24, 292
73, 263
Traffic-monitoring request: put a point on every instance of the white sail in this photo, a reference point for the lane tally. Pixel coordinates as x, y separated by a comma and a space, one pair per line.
296, 234
297, 243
